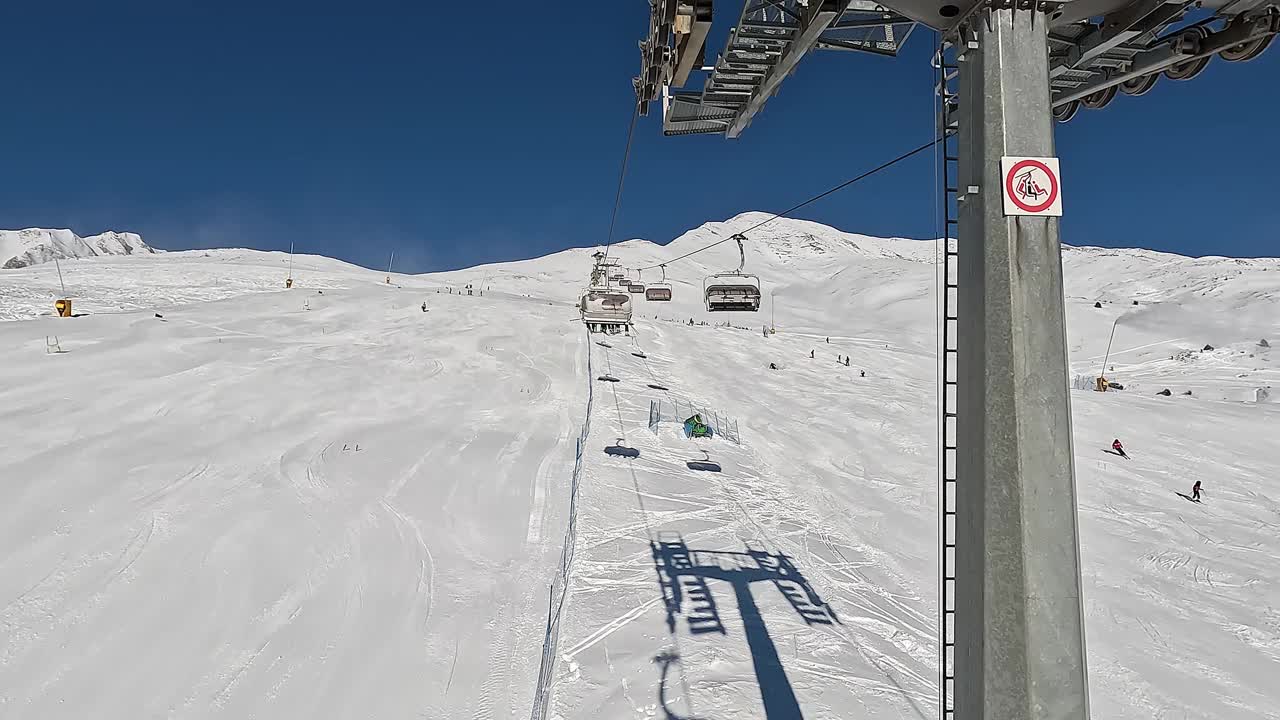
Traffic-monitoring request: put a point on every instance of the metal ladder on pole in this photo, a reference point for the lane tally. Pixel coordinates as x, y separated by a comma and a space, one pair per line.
948, 127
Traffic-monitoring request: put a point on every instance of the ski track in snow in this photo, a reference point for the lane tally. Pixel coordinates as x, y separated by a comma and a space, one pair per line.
300, 528
327, 503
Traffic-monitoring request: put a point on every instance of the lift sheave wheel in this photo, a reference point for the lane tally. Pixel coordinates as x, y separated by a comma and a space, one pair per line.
1139, 85
1246, 51
1190, 68
1064, 113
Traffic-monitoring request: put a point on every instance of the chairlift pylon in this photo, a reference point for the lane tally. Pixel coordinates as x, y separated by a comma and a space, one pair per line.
733, 290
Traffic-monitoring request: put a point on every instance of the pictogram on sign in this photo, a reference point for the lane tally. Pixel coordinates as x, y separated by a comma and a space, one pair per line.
1031, 186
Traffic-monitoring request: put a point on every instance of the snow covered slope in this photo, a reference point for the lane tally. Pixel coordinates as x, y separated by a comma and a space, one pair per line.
326, 503
22, 248
128, 284
320, 503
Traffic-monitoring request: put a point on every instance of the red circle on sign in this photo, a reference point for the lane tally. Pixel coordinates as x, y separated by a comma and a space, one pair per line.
1053, 186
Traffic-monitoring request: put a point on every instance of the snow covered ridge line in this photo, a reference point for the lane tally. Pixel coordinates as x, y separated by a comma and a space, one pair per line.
791, 238
32, 246
1095, 250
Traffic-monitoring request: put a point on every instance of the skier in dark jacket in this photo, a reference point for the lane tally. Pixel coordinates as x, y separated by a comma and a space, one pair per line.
1118, 448
1195, 491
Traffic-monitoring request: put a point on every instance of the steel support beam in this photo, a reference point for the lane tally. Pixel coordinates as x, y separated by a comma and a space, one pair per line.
817, 17
1123, 27
1172, 53
1019, 622
691, 47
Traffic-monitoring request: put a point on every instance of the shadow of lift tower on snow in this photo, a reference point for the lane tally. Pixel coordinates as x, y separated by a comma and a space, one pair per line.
683, 574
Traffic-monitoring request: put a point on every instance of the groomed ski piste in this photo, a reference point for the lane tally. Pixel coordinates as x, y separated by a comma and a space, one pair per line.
324, 502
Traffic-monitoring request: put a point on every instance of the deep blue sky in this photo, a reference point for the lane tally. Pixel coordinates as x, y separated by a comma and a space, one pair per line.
352, 128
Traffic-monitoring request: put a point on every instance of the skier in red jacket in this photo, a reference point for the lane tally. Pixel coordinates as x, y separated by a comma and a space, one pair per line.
1118, 448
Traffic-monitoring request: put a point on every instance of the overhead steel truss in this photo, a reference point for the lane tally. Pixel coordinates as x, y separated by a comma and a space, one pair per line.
676, 43
764, 47
1130, 48
1098, 48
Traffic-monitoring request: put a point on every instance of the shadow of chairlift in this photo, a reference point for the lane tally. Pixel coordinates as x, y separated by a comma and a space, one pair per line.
706, 464
684, 580
664, 388
603, 344
620, 450
640, 355
607, 378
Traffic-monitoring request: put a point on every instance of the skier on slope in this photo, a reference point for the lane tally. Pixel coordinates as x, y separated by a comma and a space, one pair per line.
810, 354
1118, 448
1195, 491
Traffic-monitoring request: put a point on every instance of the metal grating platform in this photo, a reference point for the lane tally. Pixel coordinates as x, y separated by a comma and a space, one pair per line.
763, 48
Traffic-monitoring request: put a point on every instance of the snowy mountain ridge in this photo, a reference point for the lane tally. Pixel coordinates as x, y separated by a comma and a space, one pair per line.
32, 246
788, 237
800, 257
797, 259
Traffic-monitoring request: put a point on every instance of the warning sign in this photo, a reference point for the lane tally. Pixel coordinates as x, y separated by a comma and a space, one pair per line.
1031, 186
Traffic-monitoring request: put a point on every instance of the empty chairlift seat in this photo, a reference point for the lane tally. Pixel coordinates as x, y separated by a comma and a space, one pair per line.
732, 291
635, 288
658, 291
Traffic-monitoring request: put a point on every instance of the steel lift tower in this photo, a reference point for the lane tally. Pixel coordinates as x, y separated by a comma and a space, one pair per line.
1011, 635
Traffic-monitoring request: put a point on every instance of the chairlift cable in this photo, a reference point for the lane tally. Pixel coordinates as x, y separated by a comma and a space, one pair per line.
622, 176
815, 198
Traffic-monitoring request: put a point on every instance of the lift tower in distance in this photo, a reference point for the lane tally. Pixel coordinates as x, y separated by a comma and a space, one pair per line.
1011, 623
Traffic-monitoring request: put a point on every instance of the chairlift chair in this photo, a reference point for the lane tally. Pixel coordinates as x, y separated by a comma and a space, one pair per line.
660, 291
733, 290
605, 309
